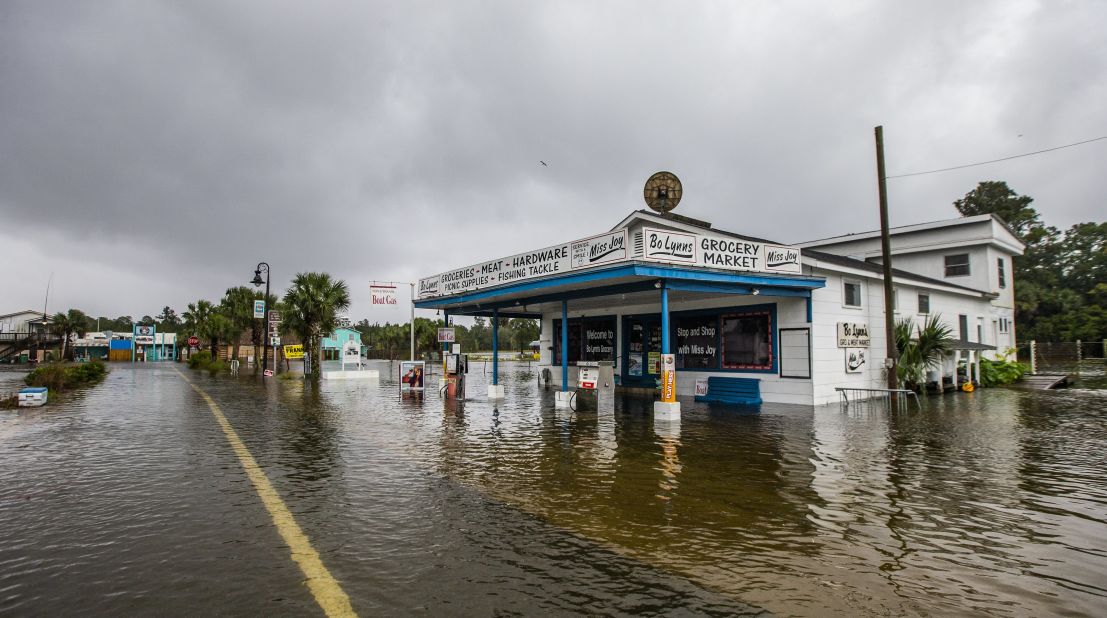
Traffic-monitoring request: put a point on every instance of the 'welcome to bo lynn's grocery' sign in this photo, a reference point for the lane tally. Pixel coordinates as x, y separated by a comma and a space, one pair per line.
711, 251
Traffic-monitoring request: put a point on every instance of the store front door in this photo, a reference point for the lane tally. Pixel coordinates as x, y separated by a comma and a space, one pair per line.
641, 351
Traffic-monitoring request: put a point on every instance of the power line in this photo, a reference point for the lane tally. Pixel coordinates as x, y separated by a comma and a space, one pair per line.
958, 167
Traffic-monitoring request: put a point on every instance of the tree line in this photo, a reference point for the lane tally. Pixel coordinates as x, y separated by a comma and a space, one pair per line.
310, 309
393, 341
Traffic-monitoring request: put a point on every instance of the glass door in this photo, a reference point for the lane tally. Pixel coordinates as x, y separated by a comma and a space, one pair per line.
642, 351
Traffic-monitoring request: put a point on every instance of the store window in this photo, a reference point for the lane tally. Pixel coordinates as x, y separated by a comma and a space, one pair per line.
851, 293
957, 265
747, 341
590, 339
599, 339
697, 342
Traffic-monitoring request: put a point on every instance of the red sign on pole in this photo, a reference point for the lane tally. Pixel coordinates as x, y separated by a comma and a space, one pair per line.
193, 341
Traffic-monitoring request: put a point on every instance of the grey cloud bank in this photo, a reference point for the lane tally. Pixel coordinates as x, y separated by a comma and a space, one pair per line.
152, 153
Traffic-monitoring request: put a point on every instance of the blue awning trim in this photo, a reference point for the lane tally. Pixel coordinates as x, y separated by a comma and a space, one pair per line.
675, 277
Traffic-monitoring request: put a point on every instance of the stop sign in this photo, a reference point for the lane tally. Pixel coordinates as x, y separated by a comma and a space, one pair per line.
194, 341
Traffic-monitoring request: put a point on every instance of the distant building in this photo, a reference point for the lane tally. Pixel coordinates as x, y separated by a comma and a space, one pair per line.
26, 321
332, 345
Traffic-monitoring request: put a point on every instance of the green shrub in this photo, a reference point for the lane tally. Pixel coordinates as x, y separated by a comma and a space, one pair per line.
215, 367
999, 372
199, 360
59, 377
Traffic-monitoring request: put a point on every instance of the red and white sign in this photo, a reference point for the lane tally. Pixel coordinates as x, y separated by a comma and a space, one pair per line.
267, 373
193, 341
383, 294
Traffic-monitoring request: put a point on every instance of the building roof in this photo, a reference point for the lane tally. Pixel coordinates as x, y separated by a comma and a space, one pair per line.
41, 315
911, 229
876, 268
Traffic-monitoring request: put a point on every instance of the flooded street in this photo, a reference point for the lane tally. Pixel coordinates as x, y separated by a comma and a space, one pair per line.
128, 499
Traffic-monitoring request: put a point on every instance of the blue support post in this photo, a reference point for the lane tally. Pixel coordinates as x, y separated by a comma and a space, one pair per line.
495, 347
664, 319
564, 345
808, 306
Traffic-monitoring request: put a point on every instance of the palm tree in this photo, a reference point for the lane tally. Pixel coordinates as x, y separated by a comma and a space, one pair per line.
238, 306
73, 322
197, 321
312, 304
926, 350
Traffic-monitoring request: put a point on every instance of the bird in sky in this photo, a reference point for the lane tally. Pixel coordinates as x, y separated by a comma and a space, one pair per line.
543, 164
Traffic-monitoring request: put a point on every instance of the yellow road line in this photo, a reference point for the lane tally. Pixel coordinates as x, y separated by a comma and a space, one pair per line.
322, 584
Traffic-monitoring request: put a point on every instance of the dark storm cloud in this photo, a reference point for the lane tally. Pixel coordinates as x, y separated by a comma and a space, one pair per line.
396, 140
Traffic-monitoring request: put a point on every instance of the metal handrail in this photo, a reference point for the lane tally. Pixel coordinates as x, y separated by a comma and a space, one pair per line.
884, 394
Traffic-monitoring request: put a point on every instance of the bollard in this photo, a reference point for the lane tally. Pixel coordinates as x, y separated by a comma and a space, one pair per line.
1079, 355
1033, 357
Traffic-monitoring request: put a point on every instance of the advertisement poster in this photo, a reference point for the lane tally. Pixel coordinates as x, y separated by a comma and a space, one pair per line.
634, 364
294, 352
382, 294
259, 309
701, 387
655, 363
668, 377
411, 375
446, 335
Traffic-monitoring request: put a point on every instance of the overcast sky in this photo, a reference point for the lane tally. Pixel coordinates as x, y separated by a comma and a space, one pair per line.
152, 153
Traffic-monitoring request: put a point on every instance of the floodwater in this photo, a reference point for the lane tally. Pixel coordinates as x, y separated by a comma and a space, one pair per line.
128, 499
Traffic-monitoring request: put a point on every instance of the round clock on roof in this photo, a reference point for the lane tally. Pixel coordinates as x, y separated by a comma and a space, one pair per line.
662, 192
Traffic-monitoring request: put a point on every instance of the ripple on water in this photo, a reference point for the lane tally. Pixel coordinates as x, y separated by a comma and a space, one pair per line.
990, 503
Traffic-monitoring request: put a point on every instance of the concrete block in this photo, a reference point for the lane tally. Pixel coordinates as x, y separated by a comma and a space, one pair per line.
666, 411
495, 391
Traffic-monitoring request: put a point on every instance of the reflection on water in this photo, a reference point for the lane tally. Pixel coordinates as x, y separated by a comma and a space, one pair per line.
989, 503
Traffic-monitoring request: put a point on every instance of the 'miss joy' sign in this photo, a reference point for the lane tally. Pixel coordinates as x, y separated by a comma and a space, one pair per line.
584, 253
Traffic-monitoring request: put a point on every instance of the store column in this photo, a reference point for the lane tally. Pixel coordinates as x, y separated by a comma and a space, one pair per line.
563, 395
495, 391
668, 408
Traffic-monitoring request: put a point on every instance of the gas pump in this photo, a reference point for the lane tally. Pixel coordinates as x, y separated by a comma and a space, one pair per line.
457, 365
593, 378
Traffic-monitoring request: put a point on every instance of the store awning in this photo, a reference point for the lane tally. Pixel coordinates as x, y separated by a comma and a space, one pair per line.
628, 282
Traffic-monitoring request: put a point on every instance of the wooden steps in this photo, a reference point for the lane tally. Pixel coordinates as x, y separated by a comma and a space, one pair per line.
1043, 381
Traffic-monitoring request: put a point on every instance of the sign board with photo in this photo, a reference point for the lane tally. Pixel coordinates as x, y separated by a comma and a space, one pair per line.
259, 309
351, 354
411, 375
853, 335
856, 359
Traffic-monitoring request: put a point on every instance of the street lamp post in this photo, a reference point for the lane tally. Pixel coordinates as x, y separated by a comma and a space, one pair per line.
263, 268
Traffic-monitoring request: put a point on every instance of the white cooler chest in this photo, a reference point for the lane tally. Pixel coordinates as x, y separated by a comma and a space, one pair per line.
32, 397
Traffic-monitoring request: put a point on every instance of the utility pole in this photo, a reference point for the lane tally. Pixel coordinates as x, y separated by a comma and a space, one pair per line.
886, 255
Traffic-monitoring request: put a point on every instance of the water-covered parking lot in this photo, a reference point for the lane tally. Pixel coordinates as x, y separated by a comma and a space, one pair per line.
130, 498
